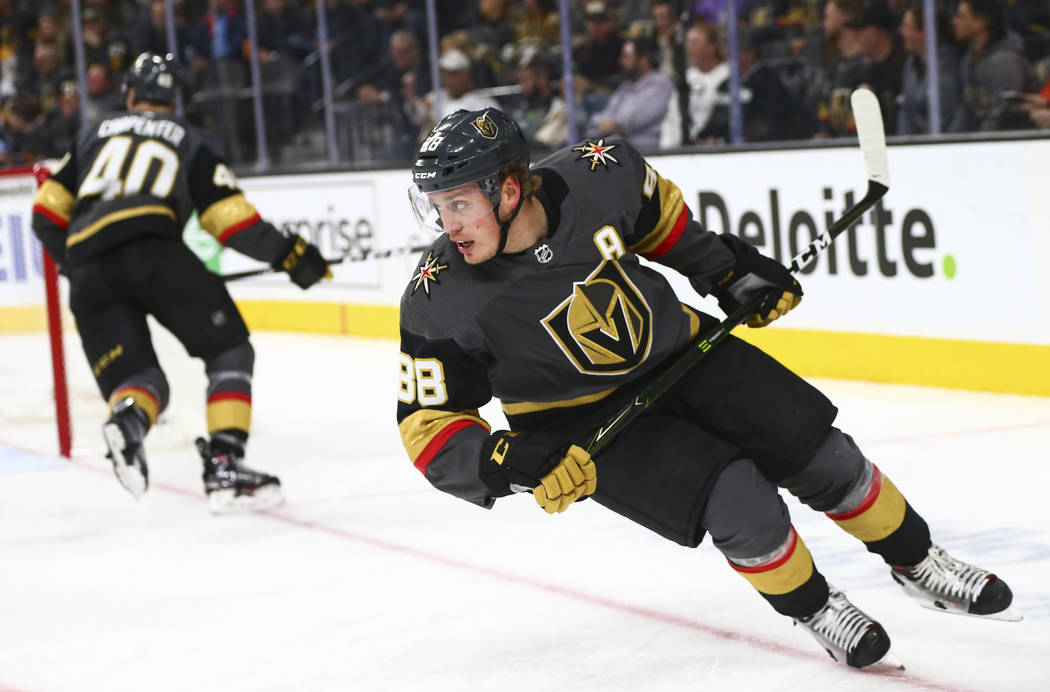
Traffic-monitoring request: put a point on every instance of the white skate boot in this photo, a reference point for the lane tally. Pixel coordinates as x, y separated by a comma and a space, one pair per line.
848, 634
941, 582
123, 432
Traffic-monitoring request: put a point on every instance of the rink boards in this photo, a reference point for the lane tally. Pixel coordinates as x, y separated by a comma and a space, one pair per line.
941, 284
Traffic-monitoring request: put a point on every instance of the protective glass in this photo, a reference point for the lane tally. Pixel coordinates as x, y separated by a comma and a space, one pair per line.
438, 211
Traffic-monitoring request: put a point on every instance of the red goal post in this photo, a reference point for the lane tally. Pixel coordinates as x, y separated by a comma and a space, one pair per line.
25, 309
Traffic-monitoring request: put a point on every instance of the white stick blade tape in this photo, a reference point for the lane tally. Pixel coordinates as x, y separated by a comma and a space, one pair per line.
868, 117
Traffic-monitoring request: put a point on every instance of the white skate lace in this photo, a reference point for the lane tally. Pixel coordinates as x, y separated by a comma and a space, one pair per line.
942, 575
839, 623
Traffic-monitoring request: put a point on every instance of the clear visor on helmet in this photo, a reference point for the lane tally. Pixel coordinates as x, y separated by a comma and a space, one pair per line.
449, 209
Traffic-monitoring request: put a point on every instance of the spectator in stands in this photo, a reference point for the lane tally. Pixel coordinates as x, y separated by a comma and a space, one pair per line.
402, 75
62, 124
1035, 106
540, 22
457, 91
354, 39
217, 37
46, 76
766, 105
597, 56
48, 30
692, 103
1030, 20
670, 39
103, 44
540, 112
881, 46
845, 69
410, 15
102, 93
25, 134
151, 32
913, 113
399, 82
283, 31
491, 30
638, 106
991, 67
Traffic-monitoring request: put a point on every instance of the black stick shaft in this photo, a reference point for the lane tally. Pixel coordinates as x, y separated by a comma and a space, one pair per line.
366, 255
708, 340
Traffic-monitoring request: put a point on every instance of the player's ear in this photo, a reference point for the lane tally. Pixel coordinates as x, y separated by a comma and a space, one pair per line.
511, 191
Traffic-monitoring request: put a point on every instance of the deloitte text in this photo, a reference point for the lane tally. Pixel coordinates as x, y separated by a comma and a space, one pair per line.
782, 234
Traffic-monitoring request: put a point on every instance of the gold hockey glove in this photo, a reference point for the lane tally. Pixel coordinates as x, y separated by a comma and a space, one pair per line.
558, 473
304, 263
754, 272
573, 477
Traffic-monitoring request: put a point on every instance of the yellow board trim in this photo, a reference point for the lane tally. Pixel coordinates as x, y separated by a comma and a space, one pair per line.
114, 218
953, 364
377, 321
19, 318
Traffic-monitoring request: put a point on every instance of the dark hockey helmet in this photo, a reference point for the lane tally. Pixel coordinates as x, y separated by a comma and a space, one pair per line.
469, 147
152, 77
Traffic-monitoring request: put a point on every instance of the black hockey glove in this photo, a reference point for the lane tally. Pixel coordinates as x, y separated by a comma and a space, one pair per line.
754, 272
558, 473
303, 262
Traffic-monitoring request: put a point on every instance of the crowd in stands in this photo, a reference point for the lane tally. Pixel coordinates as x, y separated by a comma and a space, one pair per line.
655, 71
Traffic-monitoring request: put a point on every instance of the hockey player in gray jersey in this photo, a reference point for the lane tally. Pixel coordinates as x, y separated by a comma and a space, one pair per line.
534, 294
112, 216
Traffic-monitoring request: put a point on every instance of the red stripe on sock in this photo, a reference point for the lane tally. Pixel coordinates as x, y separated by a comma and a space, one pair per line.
768, 566
867, 502
224, 396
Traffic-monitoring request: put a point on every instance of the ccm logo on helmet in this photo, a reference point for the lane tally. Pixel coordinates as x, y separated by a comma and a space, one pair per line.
424, 175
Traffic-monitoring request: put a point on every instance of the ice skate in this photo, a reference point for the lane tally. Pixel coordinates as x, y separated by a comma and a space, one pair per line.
941, 582
233, 487
848, 634
123, 432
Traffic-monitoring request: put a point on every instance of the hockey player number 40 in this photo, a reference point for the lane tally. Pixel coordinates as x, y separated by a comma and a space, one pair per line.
422, 379
104, 177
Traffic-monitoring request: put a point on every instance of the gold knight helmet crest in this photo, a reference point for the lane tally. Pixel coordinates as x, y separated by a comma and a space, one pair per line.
486, 127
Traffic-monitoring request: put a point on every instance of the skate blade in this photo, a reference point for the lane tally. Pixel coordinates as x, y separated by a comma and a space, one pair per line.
1011, 614
130, 476
229, 502
890, 660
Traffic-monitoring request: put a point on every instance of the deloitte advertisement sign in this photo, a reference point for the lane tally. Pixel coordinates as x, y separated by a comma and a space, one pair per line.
955, 250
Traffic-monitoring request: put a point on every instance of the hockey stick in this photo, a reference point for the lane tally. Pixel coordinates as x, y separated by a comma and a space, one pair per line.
872, 138
365, 255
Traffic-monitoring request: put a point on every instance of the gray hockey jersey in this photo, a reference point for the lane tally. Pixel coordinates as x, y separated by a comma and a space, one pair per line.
558, 329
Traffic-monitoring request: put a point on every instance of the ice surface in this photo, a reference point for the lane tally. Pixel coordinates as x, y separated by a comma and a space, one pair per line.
369, 579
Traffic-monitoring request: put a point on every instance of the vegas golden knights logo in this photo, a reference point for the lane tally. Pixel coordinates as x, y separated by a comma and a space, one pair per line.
485, 126
605, 326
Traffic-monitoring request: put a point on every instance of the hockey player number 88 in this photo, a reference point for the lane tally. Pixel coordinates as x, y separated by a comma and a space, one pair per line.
422, 378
